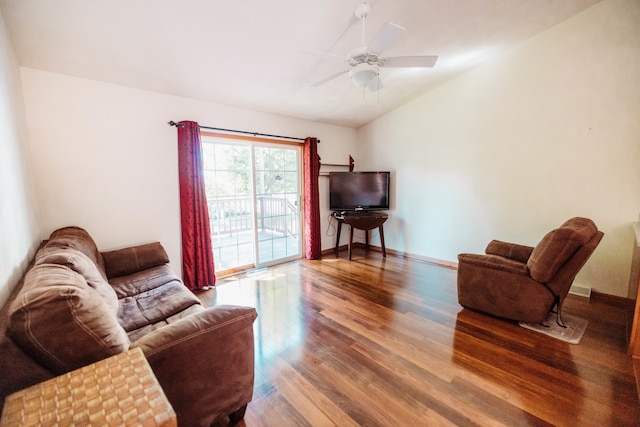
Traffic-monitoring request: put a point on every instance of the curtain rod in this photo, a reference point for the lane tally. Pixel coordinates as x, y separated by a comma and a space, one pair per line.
172, 123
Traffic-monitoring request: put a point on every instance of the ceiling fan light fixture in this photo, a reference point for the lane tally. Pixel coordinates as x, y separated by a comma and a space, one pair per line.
363, 74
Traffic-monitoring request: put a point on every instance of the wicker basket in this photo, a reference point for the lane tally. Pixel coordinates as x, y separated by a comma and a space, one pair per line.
118, 391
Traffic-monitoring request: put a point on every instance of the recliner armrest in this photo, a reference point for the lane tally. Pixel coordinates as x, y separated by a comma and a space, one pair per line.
495, 262
204, 362
509, 250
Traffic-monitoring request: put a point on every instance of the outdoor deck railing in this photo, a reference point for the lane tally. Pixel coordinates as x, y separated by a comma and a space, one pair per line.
232, 215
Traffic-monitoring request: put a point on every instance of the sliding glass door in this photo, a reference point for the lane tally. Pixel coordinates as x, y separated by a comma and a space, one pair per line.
253, 190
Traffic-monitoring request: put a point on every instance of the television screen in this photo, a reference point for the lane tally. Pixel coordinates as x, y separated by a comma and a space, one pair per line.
349, 191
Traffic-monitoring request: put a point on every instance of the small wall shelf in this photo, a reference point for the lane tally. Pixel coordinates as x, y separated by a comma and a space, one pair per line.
339, 165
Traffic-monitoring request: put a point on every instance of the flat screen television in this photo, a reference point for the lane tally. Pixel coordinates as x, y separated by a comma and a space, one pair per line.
357, 191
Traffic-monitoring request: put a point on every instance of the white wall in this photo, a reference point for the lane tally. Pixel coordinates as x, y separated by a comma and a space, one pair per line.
18, 208
105, 158
512, 149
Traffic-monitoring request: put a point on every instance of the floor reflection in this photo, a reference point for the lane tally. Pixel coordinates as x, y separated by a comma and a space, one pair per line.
276, 295
377, 341
493, 351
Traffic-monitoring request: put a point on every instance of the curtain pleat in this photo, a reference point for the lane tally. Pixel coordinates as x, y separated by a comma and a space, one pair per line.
198, 271
312, 237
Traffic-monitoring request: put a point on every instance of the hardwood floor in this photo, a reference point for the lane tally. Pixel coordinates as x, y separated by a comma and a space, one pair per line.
383, 342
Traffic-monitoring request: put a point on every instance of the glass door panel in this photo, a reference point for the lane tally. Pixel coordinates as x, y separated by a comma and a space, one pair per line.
253, 195
227, 169
277, 203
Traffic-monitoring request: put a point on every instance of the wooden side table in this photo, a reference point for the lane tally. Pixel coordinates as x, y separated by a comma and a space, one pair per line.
362, 221
119, 391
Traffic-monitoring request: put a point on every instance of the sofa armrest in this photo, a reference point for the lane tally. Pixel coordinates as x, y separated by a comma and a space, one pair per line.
494, 262
19, 370
509, 250
122, 262
204, 362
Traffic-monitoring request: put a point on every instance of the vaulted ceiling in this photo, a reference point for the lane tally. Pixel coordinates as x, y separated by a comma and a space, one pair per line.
268, 55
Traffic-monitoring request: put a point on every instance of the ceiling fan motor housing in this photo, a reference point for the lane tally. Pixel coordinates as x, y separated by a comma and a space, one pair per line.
363, 10
362, 56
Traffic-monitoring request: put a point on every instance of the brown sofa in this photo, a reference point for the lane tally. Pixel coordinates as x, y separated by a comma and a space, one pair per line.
524, 283
76, 306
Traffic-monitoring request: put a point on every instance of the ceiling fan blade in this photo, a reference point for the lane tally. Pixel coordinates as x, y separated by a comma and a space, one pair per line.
389, 34
325, 55
411, 61
352, 21
327, 79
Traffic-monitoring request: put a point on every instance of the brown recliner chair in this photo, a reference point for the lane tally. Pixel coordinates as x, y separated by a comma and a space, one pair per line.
524, 283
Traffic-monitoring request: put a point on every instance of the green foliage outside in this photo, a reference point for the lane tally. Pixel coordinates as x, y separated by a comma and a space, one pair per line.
227, 169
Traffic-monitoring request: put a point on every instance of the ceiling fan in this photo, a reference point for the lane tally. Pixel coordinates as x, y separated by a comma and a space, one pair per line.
365, 61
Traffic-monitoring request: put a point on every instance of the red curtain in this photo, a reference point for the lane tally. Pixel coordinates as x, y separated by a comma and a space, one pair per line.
312, 237
198, 271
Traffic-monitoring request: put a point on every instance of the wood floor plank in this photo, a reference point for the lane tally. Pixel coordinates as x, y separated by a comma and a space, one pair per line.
425, 356
382, 341
434, 393
310, 402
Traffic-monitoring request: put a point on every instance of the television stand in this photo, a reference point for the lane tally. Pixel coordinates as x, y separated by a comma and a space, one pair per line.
362, 220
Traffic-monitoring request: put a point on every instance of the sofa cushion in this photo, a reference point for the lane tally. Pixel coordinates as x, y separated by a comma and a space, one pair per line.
81, 264
136, 334
145, 280
557, 246
78, 239
126, 261
62, 322
155, 305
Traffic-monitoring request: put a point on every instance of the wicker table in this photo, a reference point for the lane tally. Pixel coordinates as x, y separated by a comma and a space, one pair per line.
118, 391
